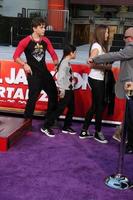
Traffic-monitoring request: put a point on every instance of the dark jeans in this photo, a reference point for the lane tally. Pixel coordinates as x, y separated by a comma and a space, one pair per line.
97, 106
66, 102
130, 122
36, 83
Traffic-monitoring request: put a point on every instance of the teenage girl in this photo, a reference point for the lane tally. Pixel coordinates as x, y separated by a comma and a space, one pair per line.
99, 46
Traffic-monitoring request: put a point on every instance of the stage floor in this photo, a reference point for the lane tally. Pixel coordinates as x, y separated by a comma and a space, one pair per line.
6, 53
62, 168
12, 129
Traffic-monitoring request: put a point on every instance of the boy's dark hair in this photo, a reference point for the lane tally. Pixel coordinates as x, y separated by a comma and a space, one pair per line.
37, 21
66, 51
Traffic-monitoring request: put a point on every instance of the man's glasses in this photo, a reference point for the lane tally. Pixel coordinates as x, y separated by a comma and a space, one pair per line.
125, 37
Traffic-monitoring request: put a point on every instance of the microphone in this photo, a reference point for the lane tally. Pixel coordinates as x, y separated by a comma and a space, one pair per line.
129, 94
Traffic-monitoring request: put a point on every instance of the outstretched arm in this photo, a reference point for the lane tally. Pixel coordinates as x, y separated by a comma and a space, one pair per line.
94, 65
124, 54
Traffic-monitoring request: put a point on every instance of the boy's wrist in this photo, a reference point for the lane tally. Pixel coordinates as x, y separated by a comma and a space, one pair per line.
24, 64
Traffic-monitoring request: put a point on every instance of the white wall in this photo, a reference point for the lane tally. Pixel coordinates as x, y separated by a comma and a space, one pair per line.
13, 7
43, 4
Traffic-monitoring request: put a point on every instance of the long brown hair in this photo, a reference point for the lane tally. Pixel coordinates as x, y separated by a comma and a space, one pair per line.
99, 37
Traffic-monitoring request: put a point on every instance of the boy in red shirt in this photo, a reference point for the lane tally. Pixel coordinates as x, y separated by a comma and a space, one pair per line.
39, 78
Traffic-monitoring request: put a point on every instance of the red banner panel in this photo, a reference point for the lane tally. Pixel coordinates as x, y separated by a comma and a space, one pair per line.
14, 91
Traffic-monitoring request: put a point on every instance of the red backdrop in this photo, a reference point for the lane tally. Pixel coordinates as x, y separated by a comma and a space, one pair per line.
14, 91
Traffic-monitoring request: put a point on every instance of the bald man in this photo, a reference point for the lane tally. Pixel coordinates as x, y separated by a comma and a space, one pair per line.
125, 56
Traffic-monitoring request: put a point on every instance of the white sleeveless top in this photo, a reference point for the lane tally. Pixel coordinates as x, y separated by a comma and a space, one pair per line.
97, 73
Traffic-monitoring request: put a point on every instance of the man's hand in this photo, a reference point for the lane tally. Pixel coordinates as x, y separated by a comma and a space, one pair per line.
91, 63
61, 93
27, 69
90, 60
128, 86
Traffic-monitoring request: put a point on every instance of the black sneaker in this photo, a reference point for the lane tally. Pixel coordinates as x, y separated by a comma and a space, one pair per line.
129, 149
47, 132
68, 130
85, 134
100, 137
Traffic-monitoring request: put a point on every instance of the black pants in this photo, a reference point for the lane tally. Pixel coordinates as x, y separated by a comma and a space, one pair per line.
97, 106
66, 102
130, 122
36, 83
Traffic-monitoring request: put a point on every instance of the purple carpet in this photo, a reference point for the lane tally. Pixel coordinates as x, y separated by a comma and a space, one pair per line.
62, 168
